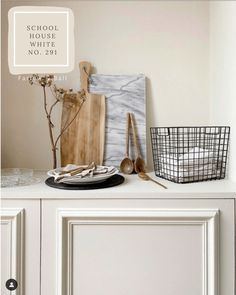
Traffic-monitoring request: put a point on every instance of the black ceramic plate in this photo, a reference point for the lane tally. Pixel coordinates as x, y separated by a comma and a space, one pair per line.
112, 181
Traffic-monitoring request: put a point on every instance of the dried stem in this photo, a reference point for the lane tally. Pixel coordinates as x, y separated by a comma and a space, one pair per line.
48, 81
50, 126
68, 125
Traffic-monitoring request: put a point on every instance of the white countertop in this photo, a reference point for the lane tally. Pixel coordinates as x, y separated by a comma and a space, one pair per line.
132, 188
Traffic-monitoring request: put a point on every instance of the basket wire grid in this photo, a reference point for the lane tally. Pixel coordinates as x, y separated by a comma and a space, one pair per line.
190, 154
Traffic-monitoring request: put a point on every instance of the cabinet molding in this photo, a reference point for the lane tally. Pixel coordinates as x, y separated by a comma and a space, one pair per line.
13, 219
207, 218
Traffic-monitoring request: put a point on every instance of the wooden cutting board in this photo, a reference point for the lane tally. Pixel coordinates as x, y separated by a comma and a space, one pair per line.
83, 142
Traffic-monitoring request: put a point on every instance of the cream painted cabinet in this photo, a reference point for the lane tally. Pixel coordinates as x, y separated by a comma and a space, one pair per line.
138, 246
20, 246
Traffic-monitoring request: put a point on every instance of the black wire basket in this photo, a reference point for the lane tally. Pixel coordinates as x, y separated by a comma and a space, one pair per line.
190, 154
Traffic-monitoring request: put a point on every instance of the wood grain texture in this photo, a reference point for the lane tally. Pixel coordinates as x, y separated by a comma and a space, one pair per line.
85, 69
83, 141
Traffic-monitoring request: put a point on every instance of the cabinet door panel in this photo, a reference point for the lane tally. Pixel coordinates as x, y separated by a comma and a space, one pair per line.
20, 246
137, 259
159, 247
12, 232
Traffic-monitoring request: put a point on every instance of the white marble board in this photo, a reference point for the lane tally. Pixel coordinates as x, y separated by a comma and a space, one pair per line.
124, 93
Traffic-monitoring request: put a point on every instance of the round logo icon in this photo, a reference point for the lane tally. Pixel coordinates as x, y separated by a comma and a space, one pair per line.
11, 284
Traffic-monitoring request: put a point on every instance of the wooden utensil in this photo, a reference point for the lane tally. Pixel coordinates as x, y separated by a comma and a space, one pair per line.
126, 165
139, 164
77, 170
73, 172
145, 176
83, 142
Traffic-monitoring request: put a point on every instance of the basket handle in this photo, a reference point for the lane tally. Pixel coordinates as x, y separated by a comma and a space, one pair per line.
168, 132
212, 132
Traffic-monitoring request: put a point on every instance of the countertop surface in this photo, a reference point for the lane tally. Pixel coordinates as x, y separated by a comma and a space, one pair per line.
132, 188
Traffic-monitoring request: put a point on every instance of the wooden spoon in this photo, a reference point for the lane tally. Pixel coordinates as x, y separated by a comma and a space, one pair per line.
126, 165
144, 176
139, 164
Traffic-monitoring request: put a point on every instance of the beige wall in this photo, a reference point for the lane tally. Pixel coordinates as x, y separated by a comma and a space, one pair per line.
223, 71
168, 41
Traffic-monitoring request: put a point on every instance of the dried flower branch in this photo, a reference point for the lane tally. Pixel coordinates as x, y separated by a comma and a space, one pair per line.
47, 81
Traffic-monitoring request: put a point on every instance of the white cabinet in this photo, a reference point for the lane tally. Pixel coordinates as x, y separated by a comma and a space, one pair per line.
138, 247
134, 239
20, 246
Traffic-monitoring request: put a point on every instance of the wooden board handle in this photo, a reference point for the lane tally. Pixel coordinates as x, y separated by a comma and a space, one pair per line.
135, 135
127, 135
85, 68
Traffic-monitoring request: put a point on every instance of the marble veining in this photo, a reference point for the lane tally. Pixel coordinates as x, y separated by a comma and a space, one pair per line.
124, 93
